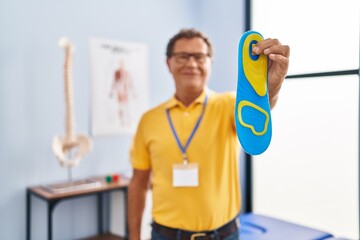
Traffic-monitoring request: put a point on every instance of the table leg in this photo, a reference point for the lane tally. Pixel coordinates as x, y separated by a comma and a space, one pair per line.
51, 206
28, 214
100, 213
49, 220
125, 211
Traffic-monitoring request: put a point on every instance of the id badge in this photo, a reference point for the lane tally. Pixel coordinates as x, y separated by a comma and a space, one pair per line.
186, 175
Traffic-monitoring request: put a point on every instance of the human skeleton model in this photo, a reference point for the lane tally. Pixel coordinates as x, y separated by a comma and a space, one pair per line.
71, 144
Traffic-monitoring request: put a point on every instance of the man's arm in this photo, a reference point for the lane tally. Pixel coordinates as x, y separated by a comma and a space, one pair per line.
136, 201
278, 65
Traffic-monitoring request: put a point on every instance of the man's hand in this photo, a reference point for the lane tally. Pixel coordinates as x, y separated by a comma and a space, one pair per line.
278, 56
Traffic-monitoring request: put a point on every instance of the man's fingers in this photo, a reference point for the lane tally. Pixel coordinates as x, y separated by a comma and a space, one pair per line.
283, 50
269, 46
279, 58
261, 46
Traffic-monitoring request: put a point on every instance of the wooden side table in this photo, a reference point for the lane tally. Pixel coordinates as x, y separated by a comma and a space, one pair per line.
52, 198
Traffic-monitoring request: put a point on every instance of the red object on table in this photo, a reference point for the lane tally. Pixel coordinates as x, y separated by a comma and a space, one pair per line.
116, 178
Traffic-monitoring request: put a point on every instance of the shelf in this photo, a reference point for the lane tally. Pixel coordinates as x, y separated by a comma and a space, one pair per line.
43, 190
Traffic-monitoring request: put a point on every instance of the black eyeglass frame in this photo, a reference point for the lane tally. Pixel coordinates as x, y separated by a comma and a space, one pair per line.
198, 57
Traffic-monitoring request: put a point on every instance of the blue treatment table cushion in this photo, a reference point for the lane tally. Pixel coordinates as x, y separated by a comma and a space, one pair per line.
337, 238
259, 227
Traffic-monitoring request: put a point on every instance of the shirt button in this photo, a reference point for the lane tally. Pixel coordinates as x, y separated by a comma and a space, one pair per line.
187, 114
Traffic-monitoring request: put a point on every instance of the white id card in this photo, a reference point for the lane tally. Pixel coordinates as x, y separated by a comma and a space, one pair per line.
186, 175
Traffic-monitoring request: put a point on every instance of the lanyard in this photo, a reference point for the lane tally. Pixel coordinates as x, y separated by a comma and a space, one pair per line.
184, 148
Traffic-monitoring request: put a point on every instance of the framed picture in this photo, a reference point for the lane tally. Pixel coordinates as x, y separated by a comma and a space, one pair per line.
119, 86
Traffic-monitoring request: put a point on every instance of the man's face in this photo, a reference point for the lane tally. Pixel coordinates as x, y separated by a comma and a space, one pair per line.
190, 64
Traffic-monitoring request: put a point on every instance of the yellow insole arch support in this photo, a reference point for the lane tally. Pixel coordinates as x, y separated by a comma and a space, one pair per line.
245, 103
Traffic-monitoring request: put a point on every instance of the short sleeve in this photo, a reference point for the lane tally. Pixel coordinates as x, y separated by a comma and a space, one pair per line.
139, 153
230, 101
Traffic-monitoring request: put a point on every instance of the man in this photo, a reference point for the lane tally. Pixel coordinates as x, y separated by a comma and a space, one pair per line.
188, 147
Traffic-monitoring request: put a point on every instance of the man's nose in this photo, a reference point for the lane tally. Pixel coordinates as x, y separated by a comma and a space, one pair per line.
191, 61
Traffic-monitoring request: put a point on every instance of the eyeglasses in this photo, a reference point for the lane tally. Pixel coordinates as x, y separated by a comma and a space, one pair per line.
183, 57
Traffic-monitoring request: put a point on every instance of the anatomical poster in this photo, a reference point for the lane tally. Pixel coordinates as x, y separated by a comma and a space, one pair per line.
119, 86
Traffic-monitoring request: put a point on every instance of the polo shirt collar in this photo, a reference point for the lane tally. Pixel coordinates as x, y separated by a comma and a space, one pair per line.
174, 102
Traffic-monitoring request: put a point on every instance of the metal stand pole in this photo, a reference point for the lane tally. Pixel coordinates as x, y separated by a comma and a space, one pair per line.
69, 168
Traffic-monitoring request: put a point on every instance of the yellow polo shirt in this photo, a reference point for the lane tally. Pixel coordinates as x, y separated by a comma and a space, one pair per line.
214, 147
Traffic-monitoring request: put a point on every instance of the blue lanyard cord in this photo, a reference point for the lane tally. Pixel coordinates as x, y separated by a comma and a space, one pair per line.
183, 149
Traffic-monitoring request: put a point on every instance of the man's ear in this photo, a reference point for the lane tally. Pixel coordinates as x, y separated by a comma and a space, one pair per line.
168, 63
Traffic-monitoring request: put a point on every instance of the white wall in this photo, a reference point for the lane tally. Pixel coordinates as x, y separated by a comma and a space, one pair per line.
224, 22
31, 93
